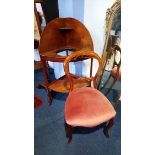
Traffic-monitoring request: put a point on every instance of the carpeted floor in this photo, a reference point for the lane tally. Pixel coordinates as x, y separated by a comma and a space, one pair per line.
49, 129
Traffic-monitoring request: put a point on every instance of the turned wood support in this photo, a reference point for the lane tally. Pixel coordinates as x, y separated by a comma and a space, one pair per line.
49, 93
108, 126
69, 131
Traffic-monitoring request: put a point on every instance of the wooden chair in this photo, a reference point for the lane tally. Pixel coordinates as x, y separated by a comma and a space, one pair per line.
116, 71
63, 34
86, 106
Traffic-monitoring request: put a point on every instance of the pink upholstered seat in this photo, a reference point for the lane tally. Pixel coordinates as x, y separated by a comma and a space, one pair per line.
115, 73
87, 107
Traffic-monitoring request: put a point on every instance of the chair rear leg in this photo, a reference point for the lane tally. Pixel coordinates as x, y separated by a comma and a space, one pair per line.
108, 126
69, 131
49, 97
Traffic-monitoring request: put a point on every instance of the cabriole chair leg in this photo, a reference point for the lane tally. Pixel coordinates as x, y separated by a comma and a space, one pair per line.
69, 131
108, 126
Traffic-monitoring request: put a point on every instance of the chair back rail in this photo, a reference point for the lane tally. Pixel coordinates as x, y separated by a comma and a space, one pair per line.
82, 55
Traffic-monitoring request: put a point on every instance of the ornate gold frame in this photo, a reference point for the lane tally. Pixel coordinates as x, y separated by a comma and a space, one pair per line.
110, 14
37, 27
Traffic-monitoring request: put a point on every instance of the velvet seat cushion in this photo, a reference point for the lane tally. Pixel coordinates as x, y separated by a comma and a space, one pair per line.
115, 73
87, 107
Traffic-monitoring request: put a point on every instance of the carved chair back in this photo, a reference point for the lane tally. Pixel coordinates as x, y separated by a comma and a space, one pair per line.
79, 56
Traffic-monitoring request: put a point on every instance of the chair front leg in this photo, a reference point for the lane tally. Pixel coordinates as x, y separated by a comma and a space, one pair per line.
69, 131
108, 126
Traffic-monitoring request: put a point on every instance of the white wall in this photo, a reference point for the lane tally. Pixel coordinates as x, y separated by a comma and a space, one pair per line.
71, 8
65, 8
94, 20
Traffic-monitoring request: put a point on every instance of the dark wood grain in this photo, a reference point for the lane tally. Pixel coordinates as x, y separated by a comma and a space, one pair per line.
82, 54
63, 34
